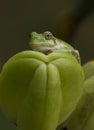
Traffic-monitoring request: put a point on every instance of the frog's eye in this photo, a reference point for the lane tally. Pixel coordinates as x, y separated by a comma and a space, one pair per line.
48, 35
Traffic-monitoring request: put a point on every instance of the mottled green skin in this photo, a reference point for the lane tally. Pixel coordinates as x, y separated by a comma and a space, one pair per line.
39, 91
46, 42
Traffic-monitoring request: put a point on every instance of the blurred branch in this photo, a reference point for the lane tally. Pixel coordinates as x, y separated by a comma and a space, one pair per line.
71, 20
84, 7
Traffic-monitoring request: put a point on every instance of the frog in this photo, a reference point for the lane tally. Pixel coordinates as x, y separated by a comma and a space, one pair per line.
47, 43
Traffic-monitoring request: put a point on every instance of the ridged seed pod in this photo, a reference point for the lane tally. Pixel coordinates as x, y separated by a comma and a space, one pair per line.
38, 91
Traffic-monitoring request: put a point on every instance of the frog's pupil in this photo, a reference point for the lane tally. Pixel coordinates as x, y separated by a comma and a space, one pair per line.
48, 36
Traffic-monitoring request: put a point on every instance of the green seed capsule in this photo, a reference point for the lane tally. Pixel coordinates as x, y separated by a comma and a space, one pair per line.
39, 91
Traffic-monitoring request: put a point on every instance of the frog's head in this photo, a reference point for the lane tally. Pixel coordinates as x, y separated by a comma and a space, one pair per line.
44, 42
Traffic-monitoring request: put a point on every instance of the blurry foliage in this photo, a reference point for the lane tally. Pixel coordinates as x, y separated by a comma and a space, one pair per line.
72, 21
73, 17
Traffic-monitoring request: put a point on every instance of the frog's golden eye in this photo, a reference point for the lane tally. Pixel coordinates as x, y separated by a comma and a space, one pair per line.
48, 35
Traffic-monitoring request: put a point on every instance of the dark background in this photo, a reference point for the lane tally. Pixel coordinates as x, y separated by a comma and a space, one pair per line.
70, 20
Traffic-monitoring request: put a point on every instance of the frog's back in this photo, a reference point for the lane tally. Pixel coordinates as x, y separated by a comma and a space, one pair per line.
61, 45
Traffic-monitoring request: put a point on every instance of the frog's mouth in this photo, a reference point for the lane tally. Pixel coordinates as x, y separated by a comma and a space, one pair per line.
44, 48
